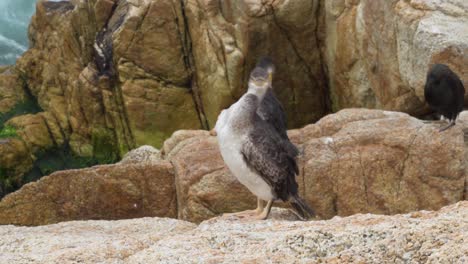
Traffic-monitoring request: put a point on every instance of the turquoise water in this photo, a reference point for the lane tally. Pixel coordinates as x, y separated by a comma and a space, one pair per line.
14, 20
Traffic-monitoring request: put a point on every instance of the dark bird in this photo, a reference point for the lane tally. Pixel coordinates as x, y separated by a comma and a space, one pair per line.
256, 153
444, 92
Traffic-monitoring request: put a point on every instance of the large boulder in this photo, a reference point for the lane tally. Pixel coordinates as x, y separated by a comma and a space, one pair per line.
383, 162
378, 52
140, 186
355, 161
419, 237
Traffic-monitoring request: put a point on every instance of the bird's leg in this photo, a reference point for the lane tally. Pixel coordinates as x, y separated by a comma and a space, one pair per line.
451, 124
266, 211
256, 211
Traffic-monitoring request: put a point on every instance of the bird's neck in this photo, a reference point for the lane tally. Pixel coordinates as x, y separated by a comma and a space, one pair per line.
258, 92
243, 114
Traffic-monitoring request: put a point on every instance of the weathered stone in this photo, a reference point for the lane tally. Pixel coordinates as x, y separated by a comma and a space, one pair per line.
355, 161
88, 242
15, 161
155, 111
229, 36
118, 191
418, 237
11, 92
142, 154
463, 121
173, 144
155, 78
378, 52
35, 132
386, 165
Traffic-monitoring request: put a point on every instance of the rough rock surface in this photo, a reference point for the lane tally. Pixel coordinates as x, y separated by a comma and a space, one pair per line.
418, 237
138, 187
228, 36
85, 242
377, 52
10, 92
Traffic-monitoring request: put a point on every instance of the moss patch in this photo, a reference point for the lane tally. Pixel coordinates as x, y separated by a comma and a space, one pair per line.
6, 183
8, 132
28, 106
105, 146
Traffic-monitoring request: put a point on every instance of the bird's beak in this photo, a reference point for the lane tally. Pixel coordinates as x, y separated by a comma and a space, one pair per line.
270, 77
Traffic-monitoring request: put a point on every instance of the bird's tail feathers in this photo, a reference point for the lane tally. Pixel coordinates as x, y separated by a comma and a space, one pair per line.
302, 208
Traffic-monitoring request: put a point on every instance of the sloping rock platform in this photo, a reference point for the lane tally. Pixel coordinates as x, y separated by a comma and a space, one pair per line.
418, 237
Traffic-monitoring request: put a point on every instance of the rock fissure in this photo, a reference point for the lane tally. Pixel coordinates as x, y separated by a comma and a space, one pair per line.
189, 62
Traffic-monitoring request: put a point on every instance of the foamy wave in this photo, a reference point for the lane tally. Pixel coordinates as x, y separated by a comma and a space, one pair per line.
12, 44
8, 56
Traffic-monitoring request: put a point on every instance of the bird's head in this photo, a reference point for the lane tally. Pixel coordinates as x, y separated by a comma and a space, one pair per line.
261, 77
267, 64
259, 82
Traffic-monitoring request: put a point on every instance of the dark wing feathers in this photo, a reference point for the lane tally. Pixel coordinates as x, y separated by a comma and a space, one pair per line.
267, 154
272, 112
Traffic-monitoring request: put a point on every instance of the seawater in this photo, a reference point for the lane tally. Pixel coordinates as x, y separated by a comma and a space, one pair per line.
14, 20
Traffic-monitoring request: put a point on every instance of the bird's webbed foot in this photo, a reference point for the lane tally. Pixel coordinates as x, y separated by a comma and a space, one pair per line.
242, 214
264, 213
248, 213
451, 124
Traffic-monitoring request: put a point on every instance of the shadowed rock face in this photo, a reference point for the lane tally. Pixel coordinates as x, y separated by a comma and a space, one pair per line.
419, 237
355, 161
58, 6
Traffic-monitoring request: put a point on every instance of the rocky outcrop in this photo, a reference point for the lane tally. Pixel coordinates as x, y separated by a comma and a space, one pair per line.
377, 53
355, 161
135, 71
10, 91
139, 186
418, 237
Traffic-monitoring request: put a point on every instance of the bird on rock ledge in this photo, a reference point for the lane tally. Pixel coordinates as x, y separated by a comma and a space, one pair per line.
259, 155
444, 92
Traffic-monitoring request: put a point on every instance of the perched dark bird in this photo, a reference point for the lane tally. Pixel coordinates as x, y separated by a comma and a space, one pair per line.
444, 92
256, 153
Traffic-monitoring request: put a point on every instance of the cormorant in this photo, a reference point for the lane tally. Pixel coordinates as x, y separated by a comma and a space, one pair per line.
444, 92
256, 153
